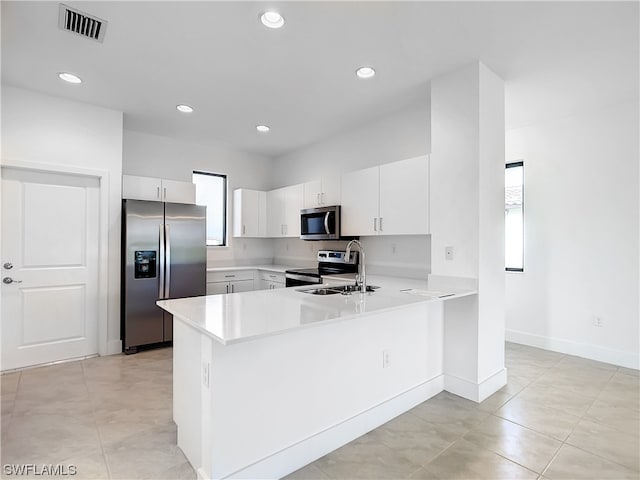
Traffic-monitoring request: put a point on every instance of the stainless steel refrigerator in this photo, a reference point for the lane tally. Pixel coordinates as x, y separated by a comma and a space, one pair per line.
164, 255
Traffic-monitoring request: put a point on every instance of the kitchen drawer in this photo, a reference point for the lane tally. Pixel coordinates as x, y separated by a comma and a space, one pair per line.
271, 276
230, 275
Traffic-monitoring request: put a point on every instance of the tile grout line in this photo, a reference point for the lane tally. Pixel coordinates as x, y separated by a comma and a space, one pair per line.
95, 423
573, 428
15, 399
583, 417
562, 442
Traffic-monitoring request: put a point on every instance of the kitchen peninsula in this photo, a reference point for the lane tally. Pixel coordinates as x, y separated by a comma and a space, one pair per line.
265, 382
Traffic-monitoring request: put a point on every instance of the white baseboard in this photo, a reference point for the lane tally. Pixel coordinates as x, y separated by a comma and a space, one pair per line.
114, 347
476, 392
310, 449
201, 474
584, 350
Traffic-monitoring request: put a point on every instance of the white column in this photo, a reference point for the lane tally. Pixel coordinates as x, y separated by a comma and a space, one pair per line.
467, 213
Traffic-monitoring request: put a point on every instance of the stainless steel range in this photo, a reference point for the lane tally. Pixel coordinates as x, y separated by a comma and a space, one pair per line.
330, 262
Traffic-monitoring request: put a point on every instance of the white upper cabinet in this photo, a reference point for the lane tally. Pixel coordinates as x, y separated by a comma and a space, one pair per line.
283, 211
392, 199
178, 192
157, 189
323, 192
404, 197
249, 213
360, 202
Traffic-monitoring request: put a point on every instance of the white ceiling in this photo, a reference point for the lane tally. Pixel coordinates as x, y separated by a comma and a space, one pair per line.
556, 57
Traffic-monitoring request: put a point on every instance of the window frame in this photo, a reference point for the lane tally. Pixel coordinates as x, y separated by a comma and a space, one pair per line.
518, 163
225, 238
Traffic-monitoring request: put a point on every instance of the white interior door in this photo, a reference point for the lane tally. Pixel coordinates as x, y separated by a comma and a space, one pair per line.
50, 253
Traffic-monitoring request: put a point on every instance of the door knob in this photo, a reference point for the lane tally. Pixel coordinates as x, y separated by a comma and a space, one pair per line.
8, 265
9, 280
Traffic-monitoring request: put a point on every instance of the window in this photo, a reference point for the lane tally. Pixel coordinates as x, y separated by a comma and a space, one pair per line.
514, 216
211, 191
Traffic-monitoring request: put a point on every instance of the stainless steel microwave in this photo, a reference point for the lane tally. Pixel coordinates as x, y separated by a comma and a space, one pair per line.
321, 223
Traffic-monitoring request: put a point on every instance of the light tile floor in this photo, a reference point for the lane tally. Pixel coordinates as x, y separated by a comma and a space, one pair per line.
559, 417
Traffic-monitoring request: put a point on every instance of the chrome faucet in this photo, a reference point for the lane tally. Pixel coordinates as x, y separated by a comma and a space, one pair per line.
361, 279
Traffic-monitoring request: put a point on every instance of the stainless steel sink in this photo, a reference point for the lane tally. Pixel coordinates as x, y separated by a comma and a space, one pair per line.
321, 291
343, 289
354, 288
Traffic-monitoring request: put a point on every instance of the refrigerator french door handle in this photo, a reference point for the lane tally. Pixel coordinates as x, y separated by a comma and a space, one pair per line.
160, 261
167, 256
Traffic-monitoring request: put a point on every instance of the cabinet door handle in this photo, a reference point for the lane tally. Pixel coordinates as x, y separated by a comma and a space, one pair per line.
229, 276
318, 198
158, 193
227, 288
375, 224
232, 288
244, 229
380, 223
165, 192
322, 198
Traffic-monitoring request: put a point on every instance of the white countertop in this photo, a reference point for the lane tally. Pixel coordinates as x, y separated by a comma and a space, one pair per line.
238, 317
268, 268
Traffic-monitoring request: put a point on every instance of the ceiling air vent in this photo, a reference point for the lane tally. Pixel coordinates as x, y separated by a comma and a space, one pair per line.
81, 23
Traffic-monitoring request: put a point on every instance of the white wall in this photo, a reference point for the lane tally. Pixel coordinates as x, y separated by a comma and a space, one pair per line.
404, 134
48, 130
156, 156
581, 235
467, 204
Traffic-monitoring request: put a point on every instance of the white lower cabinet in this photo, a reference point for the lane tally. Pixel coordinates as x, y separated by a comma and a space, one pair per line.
271, 280
235, 281
230, 281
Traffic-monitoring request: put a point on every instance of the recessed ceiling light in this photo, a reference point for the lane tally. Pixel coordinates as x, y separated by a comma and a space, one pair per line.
272, 19
69, 77
184, 108
262, 128
365, 72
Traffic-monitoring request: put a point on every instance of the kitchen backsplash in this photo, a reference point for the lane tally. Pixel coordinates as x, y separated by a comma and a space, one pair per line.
402, 256
244, 251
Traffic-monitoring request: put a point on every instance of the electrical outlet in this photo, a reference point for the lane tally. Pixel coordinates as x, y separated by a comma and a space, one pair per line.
385, 358
448, 253
597, 322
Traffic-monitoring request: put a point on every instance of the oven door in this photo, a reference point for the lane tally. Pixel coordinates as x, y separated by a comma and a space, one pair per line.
320, 223
298, 280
